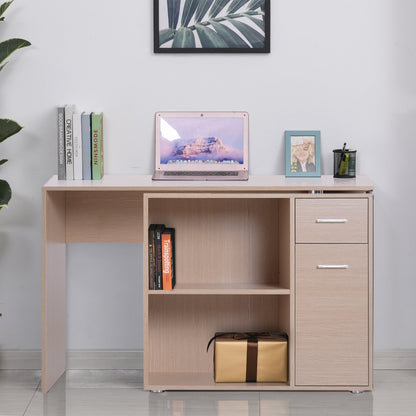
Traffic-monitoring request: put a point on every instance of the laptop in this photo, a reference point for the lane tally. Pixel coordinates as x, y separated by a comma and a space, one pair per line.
201, 146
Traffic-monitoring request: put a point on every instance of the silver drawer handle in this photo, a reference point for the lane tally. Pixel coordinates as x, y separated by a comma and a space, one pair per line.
334, 221
332, 266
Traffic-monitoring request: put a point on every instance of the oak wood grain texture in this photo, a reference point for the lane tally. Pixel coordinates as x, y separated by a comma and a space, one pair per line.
260, 183
221, 241
53, 289
332, 315
310, 211
180, 327
105, 217
371, 288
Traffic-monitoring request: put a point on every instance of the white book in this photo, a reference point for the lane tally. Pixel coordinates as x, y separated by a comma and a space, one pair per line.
69, 154
77, 145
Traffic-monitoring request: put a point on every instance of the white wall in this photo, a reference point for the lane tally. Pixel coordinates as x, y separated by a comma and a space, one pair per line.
345, 67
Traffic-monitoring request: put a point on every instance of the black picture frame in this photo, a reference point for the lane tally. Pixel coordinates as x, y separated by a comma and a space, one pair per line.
234, 26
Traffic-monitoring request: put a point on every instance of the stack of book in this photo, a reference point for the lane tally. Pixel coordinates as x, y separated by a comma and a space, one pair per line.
80, 144
161, 257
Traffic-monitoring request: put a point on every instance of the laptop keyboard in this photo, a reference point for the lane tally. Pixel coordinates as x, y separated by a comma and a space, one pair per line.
199, 173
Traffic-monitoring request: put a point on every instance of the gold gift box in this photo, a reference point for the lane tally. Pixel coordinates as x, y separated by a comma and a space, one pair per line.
251, 357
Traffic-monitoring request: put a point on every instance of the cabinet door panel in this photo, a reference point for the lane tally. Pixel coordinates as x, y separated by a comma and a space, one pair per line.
332, 317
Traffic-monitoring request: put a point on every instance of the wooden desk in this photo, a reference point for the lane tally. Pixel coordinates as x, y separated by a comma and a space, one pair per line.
271, 253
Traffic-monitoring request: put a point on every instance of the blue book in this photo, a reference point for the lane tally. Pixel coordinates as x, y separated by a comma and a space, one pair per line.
86, 145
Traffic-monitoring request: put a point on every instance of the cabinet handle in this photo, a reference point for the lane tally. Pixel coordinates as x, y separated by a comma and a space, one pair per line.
332, 266
332, 221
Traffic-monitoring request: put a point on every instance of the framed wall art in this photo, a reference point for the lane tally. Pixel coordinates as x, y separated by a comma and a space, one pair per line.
303, 153
209, 26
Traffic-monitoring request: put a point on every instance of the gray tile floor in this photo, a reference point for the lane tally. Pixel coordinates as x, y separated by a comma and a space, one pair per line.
120, 393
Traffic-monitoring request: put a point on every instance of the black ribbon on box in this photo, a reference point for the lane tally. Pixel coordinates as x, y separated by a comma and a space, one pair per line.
252, 347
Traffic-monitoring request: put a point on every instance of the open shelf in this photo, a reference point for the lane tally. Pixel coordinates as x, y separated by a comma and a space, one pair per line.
223, 289
204, 381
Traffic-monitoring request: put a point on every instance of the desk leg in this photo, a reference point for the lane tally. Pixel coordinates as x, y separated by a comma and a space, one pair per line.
53, 288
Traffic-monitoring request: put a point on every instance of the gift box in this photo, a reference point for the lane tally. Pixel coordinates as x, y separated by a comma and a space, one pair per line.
250, 357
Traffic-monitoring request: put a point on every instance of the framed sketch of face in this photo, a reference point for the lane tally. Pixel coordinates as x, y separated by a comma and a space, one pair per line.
303, 153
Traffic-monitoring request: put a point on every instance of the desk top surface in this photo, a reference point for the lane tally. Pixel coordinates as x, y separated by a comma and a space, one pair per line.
260, 183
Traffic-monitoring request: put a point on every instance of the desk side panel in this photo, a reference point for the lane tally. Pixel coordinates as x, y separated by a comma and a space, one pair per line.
53, 289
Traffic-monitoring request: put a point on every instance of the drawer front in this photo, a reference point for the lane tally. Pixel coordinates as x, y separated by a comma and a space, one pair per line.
332, 315
336, 220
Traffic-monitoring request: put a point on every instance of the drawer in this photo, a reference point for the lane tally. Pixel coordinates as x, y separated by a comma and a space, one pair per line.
332, 220
332, 314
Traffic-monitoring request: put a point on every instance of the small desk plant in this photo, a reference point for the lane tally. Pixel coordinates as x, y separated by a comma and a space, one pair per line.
7, 127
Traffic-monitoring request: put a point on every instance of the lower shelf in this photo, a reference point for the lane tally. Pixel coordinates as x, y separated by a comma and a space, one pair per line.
203, 381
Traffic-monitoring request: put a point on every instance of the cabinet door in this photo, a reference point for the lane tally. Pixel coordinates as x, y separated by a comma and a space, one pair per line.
332, 316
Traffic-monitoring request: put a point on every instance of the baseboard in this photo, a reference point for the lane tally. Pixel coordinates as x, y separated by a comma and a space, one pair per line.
395, 359
133, 360
76, 360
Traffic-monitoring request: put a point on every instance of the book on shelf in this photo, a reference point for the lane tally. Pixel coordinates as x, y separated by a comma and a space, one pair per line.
168, 256
86, 145
69, 156
161, 255
97, 145
158, 256
77, 145
151, 256
61, 143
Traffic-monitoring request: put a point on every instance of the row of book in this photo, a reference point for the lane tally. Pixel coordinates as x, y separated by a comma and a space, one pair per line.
80, 144
161, 257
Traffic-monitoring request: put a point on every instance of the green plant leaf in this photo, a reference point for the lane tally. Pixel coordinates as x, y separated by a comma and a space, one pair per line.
209, 38
9, 46
5, 193
188, 11
202, 9
184, 38
3, 161
258, 22
8, 128
255, 4
255, 38
165, 35
217, 7
3, 7
173, 12
229, 36
236, 4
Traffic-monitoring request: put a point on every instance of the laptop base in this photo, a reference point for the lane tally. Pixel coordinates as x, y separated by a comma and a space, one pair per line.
200, 176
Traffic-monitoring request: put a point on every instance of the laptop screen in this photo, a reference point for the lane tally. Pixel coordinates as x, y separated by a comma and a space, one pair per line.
201, 139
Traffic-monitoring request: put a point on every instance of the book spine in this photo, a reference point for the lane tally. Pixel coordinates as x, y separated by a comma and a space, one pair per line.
69, 156
151, 253
97, 146
61, 143
158, 258
86, 145
77, 145
167, 260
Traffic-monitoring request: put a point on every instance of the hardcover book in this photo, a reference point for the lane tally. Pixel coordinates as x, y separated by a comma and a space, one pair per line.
61, 143
97, 145
86, 145
158, 256
151, 254
77, 145
168, 236
69, 154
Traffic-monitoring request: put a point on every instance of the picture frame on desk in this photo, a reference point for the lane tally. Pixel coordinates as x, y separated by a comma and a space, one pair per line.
303, 153
208, 26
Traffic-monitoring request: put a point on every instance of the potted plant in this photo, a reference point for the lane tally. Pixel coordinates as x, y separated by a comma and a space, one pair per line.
8, 127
